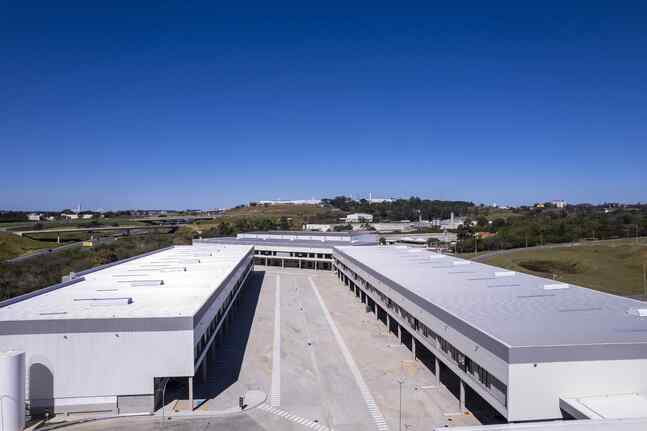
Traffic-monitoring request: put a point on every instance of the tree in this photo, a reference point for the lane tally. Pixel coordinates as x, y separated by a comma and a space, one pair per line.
382, 241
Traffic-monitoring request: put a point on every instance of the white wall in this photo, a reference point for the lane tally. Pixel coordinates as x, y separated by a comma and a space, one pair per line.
79, 365
534, 391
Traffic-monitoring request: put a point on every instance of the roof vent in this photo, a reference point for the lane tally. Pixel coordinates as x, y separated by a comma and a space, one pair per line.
638, 312
135, 283
556, 286
505, 274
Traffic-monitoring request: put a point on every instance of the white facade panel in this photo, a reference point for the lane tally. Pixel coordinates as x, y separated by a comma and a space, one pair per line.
535, 389
86, 365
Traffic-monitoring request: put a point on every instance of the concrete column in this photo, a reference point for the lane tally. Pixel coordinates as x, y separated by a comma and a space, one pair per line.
191, 393
413, 347
462, 399
58, 238
399, 332
388, 323
282, 263
299, 263
437, 369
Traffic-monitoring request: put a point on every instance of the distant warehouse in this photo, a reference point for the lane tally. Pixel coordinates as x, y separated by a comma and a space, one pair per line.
108, 339
296, 249
532, 348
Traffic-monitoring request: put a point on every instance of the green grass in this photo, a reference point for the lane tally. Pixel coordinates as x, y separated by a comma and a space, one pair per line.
614, 268
79, 223
41, 271
13, 245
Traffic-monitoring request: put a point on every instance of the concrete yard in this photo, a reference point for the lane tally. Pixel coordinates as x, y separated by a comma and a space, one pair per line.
333, 366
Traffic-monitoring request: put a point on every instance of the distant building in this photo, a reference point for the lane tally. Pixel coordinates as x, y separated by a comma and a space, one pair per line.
87, 216
373, 200
291, 202
450, 223
559, 204
359, 218
316, 227
34, 217
70, 216
387, 227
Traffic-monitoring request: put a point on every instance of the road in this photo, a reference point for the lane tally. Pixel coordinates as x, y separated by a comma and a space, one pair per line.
93, 229
44, 252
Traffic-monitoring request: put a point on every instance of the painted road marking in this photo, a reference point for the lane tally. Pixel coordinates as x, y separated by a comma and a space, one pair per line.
294, 418
275, 397
373, 409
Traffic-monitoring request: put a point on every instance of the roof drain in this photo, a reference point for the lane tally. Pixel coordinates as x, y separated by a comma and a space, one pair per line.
638, 312
556, 286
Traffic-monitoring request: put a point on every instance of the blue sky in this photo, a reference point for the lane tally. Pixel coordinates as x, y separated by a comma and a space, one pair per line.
200, 104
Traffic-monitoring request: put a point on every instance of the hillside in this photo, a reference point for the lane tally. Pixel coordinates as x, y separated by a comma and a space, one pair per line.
298, 213
13, 245
616, 267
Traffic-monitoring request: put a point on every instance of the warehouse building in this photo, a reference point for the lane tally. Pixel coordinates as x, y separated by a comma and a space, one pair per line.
108, 339
290, 249
531, 348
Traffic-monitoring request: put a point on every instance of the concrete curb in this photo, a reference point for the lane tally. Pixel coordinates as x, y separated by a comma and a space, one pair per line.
43, 426
253, 398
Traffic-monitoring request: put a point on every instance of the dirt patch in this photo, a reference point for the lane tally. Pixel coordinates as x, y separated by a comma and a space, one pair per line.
550, 266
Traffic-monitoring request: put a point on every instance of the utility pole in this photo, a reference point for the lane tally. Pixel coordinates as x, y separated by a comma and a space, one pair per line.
636, 233
400, 424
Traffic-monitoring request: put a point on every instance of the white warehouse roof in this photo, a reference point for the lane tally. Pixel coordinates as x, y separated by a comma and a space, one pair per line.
519, 317
172, 283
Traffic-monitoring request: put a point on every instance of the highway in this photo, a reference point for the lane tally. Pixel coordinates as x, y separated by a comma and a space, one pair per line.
95, 229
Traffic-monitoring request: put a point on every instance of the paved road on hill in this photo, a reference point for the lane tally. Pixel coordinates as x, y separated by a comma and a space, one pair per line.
44, 251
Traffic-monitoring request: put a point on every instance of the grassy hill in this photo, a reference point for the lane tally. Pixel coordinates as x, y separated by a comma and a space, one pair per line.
616, 267
251, 217
13, 245
300, 213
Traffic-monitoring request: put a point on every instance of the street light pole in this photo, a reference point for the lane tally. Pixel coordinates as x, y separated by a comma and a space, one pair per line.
400, 424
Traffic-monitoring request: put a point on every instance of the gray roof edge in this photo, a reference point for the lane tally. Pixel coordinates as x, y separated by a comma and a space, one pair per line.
308, 232
497, 347
271, 242
115, 324
578, 352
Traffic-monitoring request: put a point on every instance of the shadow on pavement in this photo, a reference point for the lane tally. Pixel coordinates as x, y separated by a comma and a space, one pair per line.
224, 367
